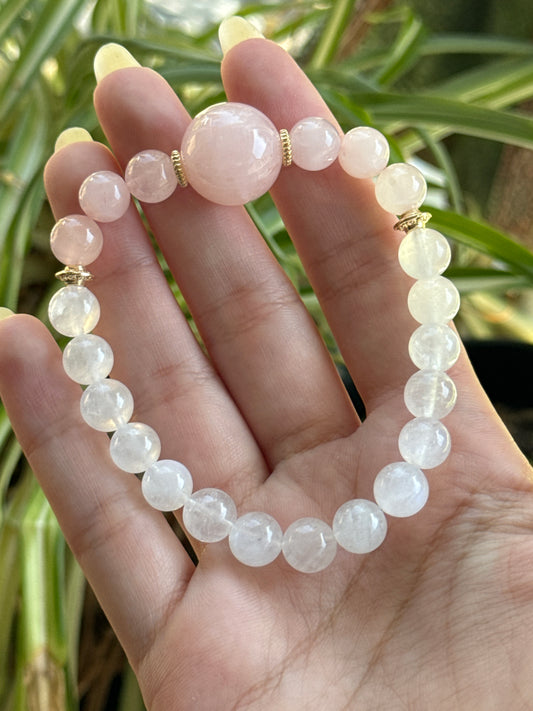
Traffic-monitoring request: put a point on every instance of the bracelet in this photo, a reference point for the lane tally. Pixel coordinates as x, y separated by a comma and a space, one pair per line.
232, 153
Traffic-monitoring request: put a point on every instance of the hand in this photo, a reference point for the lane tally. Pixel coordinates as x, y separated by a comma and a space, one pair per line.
439, 617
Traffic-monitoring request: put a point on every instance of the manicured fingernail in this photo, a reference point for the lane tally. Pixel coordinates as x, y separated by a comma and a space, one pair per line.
111, 57
5, 313
234, 30
72, 135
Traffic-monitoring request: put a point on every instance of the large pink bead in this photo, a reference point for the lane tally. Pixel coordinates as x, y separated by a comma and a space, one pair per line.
104, 196
76, 239
231, 153
315, 143
150, 176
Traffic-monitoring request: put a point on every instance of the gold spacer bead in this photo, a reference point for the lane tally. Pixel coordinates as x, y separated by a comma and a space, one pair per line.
76, 275
411, 220
178, 169
286, 147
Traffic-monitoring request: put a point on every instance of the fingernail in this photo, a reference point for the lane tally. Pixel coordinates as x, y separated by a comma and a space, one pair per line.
5, 313
75, 134
234, 30
111, 57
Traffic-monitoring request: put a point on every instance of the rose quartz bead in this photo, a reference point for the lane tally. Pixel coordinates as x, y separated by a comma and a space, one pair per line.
364, 152
76, 239
231, 153
150, 176
104, 196
315, 143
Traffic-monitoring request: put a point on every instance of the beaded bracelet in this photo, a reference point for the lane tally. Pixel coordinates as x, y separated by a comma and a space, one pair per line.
257, 152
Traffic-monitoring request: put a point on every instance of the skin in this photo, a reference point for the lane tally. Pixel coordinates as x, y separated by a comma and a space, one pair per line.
440, 616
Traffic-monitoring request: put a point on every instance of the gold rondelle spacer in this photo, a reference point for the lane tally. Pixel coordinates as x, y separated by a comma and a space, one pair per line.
411, 220
178, 169
77, 275
286, 147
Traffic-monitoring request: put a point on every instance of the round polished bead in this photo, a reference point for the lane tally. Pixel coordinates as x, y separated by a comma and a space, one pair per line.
135, 447
315, 143
231, 153
435, 346
424, 253
309, 545
401, 489
364, 152
430, 393
209, 514
167, 485
87, 359
400, 187
76, 239
255, 539
106, 405
74, 310
104, 196
433, 300
150, 176
424, 442
359, 526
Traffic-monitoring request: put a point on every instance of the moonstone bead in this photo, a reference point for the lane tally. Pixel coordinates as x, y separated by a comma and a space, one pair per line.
106, 405
231, 153
209, 514
309, 545
74, 310
400, 187
315, 143
135, 447
359, 526
424, 253
364, 152
255, 539
401, 489
424, 442
434, 345
167, 485
87, 359
104, 196
150, 176
430, 393
433, 300
76, 239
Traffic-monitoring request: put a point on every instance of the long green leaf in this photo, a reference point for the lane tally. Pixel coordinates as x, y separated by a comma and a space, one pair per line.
404, 52
327, 46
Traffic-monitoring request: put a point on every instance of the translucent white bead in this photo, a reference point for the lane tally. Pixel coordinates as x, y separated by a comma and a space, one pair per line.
424, 442
434, 345
400, 187
359, 526
309, 545
87, 359
255, 539
74, 310
433, 300
430, 393
167, 485
135, 447
424, 253
209, 514
364, 152
315, 143
106, 405
401, 489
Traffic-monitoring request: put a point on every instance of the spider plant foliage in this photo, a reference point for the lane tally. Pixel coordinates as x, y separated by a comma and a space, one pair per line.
388, 69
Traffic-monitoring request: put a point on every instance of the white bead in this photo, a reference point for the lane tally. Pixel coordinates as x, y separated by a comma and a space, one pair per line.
106, 405
430, 393
309, 545
87, 359
315, 143
209, 514
401, 489
167, 485
424, 253
433, 300
424, 442
74, 310
434, 345
255, 539
360, 526
135, 447
400, 187
364, 152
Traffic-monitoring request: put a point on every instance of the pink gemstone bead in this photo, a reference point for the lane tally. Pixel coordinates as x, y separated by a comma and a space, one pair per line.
315, 143
364, 152
150, 176
104, 196
231, 153
76, 239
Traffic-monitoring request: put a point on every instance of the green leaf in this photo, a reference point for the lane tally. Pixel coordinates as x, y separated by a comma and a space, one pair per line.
470, 279
338, 19
404, 52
